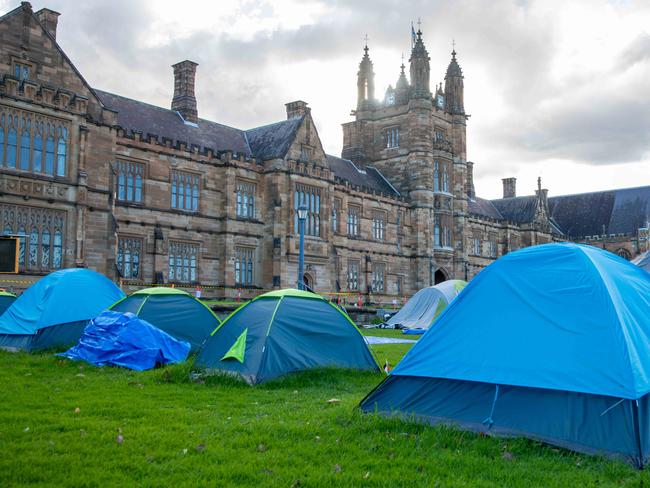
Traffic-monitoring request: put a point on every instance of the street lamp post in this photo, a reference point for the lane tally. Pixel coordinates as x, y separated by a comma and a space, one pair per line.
302, 215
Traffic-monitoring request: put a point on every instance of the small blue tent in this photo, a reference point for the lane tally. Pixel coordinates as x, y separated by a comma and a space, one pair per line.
282, 332
118, 339
551, 342
53, 312
174, 311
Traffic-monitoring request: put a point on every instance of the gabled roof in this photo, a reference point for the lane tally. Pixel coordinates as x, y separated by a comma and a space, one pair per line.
484, 208
369, 178
517, 209
133, 115
618, 211
273, 140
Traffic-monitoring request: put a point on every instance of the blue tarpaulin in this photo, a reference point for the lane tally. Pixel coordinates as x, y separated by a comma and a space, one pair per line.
122, 339
551, 342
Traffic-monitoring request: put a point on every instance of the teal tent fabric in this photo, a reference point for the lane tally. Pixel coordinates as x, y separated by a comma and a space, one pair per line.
286, 331
53, 312
426, 305
6, 299
116, 339
173, 311
551, 342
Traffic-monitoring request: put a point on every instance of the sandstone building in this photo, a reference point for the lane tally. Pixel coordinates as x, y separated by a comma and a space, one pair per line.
146, 194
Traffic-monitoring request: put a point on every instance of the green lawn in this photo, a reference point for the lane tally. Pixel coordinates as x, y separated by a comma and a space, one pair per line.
60, 422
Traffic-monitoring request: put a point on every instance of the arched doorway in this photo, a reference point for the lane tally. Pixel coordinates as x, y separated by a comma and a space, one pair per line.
624, 253
308, 281
439, 277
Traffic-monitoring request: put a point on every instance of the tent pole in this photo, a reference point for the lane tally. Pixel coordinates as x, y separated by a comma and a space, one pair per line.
637, 430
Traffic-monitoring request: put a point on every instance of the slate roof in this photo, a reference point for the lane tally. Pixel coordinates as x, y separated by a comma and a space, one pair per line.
133, 115
370, 178
620, 211
484, 208
517, 209
273, 141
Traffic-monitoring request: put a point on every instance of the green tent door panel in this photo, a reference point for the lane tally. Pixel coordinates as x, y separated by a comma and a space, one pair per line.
238, 349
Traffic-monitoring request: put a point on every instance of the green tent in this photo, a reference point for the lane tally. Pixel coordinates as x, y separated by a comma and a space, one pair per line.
172, 310
281, 332
6, 299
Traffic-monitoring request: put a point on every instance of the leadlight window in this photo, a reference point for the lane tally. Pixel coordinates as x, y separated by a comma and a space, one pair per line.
353, 275
129, 257
378, 277
336, 211
476, 246
353, 220
245, 200
441, 231
41, 235
379, 225
21, 71
130, 178
440, 176
392, 137
185, 191
183, 262
308, 196
33, 143
492, 248
244, 266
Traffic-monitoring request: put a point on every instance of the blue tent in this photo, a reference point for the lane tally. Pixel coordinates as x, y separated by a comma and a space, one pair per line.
53, 312
282, 332
118, 339
551, 342
6, 299
174, 311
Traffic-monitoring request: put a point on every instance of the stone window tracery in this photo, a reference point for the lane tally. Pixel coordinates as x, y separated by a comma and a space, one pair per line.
309, 196
185, 191
183, 261
41, 234
129, 257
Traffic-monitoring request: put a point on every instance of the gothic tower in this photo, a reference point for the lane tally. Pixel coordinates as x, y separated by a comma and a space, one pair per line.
420, 70
365, 82
454, 87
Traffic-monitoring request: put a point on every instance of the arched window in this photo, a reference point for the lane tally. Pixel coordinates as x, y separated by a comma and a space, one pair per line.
61, 151
57, 255
2, 139
436, 232
37, 154
11, 147
33, 247
174, 191
195, 195
436, 176
21, 249
445, 178
45, 249
49, 151
25, 143
624, 253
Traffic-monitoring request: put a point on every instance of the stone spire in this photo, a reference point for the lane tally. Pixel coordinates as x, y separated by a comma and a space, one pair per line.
420, 70
454, 97
365, 80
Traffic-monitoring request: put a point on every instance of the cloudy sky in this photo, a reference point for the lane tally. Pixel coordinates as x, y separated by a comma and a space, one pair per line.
554, 88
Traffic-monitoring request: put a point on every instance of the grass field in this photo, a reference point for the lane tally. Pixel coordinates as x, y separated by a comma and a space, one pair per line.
69, 424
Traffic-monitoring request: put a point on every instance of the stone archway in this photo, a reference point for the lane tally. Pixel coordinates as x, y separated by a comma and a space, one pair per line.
308, 281
439, 276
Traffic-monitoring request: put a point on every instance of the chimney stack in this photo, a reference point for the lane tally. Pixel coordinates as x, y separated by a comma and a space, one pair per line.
184, 101
49, 19
509, 187
297, 109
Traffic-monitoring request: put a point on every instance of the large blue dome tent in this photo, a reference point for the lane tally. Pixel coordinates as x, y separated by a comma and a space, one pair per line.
172, 310
53, 312
282, 332
551, 342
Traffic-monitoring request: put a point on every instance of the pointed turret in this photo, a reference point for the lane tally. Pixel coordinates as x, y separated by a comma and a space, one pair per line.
402, 86
454, 103
420, 70
365, 81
